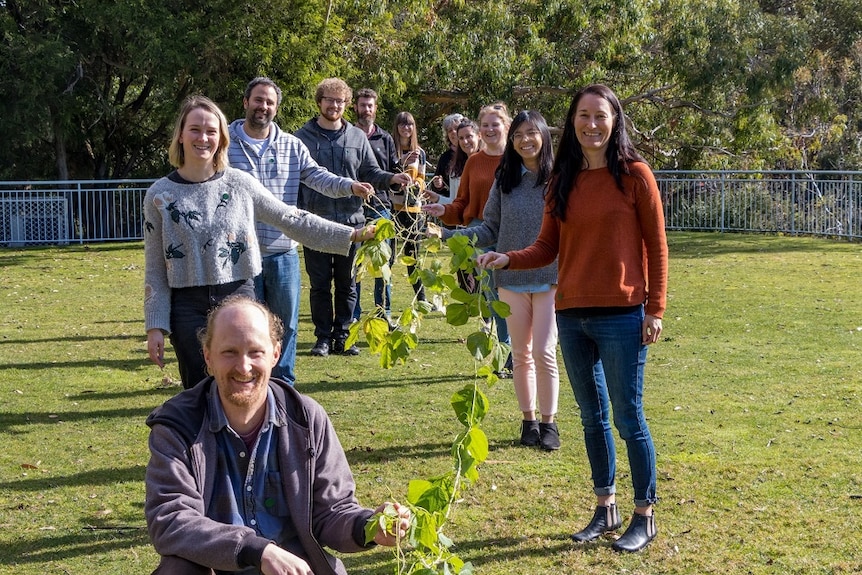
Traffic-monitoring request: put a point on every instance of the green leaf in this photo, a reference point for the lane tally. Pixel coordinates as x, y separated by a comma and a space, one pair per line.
470, 405
432, 496
457, 314
502, 308
480, 344
384, 230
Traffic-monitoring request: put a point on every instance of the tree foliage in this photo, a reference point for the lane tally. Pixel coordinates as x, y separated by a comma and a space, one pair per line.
90, 88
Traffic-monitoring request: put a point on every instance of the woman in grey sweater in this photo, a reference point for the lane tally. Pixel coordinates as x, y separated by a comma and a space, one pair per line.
511, 220
200, 243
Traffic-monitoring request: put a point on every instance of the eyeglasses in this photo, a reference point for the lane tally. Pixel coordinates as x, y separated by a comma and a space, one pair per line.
334, 101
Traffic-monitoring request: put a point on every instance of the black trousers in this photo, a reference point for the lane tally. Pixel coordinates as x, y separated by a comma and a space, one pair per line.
333, 292
189, 309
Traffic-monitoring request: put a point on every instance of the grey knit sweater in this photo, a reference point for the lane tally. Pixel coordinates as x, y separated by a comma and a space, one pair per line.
512, 221
198, 234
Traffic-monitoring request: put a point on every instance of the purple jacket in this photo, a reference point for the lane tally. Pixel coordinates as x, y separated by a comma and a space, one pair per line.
318, 485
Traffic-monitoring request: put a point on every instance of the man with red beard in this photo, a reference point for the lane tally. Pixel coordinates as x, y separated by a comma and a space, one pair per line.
280, 162
246, 475
343, 149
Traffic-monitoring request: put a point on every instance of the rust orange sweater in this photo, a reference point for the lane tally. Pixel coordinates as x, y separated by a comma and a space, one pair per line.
476, 182
612, 247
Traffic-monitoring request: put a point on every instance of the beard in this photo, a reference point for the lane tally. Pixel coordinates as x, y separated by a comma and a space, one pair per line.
259, 121
366, 120
246, 397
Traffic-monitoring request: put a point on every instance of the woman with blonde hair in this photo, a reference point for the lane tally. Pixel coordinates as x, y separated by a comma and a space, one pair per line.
479, 171
200, 244
407, 202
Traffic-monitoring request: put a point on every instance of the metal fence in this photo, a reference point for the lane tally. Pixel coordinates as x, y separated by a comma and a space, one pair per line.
793, 202
816, 203
65, 212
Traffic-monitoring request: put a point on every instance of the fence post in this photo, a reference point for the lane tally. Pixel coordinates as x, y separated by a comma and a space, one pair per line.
723, 197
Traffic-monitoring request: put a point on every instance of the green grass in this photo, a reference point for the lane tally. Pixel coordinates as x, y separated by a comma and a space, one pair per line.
753, 399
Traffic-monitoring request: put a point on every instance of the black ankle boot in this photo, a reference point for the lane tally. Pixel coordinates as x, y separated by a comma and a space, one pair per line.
530, 433
639, 533
549, 436
605, 519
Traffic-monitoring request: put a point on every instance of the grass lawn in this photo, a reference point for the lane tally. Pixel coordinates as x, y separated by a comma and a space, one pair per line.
754, 398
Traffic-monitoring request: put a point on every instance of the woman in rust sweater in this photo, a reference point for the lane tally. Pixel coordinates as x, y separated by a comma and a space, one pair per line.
604, 220
473, 191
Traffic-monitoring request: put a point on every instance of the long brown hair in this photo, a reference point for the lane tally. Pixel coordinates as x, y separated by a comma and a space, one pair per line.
569, 160
401, 119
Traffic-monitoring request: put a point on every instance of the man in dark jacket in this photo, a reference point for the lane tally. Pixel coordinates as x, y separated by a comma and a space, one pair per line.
343, 149
380, 204
246, 475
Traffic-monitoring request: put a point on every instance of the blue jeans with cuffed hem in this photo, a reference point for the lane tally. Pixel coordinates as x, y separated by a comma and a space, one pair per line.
605, 360
278, 285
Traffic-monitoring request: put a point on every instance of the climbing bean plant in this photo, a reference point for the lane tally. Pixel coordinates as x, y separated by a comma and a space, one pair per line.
427, 550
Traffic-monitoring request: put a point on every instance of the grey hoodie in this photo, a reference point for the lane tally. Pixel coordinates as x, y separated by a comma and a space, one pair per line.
345, 152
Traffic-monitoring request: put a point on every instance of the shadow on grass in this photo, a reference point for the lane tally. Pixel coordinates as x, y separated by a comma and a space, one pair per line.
49, 548
121, 364
77, 339
162, 394
107, 476
336, 382
367, 455
24, 255
698, 245
480, 552
10, 421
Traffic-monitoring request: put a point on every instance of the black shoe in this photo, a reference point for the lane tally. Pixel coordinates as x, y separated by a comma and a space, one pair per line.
639, 533
338, 348
604, 520
549, 436
530, 433
321, 348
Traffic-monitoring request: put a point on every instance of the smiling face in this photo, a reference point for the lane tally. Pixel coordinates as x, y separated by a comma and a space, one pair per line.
468, 139
594, 125
332, 105
494, 131
240, 356
527, 143
200, 137
405, 131
261, 108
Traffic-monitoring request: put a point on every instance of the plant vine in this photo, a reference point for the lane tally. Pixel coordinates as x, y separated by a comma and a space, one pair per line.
427, 550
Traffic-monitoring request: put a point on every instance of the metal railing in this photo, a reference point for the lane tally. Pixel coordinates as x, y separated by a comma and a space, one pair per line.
793, 202
79, 211
817, 203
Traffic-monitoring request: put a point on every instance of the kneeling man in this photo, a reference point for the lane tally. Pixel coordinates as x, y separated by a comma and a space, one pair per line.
246, 475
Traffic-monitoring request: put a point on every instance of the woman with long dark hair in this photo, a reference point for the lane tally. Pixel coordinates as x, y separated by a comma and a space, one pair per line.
511, 220
604, 221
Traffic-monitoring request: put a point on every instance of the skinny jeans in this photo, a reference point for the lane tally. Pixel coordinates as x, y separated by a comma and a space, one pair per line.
278, 285
605, 359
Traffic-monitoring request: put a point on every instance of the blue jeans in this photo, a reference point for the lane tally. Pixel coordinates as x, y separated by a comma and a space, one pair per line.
605, 360
278, 285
